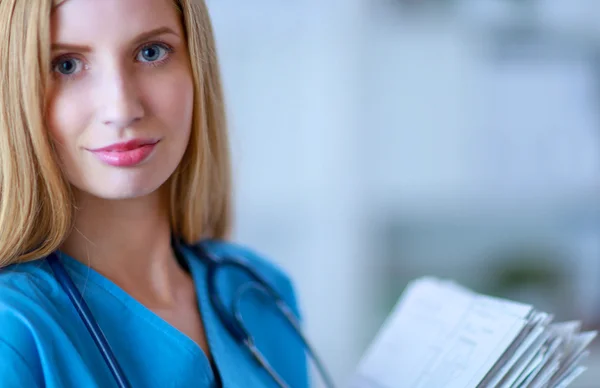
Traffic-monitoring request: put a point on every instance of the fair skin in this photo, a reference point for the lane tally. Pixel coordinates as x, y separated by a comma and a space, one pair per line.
121, 72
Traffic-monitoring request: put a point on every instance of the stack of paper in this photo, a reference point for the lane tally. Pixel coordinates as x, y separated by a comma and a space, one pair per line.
443, 335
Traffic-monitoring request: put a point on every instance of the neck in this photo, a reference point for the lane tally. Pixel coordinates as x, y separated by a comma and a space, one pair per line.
129, 242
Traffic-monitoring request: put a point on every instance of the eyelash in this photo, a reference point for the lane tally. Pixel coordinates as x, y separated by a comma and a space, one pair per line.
168, 48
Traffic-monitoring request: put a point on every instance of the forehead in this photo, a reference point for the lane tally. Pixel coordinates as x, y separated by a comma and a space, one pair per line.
94, 20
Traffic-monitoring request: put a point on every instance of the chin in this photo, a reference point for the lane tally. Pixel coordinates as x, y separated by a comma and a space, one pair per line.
118, 192
123, 193
124, 186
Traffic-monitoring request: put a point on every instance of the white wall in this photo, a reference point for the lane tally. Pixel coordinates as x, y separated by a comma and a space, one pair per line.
290, 76
340, 111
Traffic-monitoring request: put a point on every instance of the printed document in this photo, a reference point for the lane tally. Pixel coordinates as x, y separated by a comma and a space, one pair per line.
441, 334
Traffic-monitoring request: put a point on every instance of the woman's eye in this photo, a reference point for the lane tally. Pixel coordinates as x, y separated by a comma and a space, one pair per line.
152, 53
68, 66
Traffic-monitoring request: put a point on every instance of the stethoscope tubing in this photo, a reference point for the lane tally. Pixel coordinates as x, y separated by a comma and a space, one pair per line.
88, 319
234, 326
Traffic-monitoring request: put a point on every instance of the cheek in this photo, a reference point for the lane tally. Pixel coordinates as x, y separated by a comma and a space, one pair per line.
65, 115
173, 101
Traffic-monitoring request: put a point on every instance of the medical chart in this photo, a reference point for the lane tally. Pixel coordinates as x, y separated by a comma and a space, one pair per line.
441, 334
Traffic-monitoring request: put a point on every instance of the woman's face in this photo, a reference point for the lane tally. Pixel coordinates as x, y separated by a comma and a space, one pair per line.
121, 98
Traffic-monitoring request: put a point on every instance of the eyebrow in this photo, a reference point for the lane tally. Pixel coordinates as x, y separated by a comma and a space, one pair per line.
139, 39
55, 5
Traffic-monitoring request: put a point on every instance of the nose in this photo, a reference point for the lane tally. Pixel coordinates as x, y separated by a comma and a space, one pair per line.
119, 99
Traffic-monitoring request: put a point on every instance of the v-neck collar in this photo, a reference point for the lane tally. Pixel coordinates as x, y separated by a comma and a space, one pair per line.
84, 275
235, 367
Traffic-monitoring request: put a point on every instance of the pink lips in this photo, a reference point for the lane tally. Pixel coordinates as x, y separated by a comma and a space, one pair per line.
126, 154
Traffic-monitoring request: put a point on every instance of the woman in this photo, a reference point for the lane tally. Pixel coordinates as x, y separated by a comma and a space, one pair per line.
115, 171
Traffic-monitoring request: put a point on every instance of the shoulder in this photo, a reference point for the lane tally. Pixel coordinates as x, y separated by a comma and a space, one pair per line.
268, 269
25, 287
26, 293
253, 258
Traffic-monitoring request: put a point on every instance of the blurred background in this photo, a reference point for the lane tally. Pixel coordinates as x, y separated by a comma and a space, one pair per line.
376, 141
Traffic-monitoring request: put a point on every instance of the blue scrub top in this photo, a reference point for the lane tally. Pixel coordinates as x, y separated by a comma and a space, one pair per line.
44, 343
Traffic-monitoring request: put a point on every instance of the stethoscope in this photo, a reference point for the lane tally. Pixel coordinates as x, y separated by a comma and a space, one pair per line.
232, 321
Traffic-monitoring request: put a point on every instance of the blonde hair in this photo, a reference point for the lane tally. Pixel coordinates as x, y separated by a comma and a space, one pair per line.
37, 209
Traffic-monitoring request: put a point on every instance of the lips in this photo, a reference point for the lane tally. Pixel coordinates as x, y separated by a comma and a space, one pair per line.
126, 154
126, 146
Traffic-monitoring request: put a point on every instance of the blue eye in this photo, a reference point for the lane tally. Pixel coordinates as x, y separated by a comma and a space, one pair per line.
152, 53
67, 66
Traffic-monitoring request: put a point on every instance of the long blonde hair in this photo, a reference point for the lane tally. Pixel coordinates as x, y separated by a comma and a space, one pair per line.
37, 209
